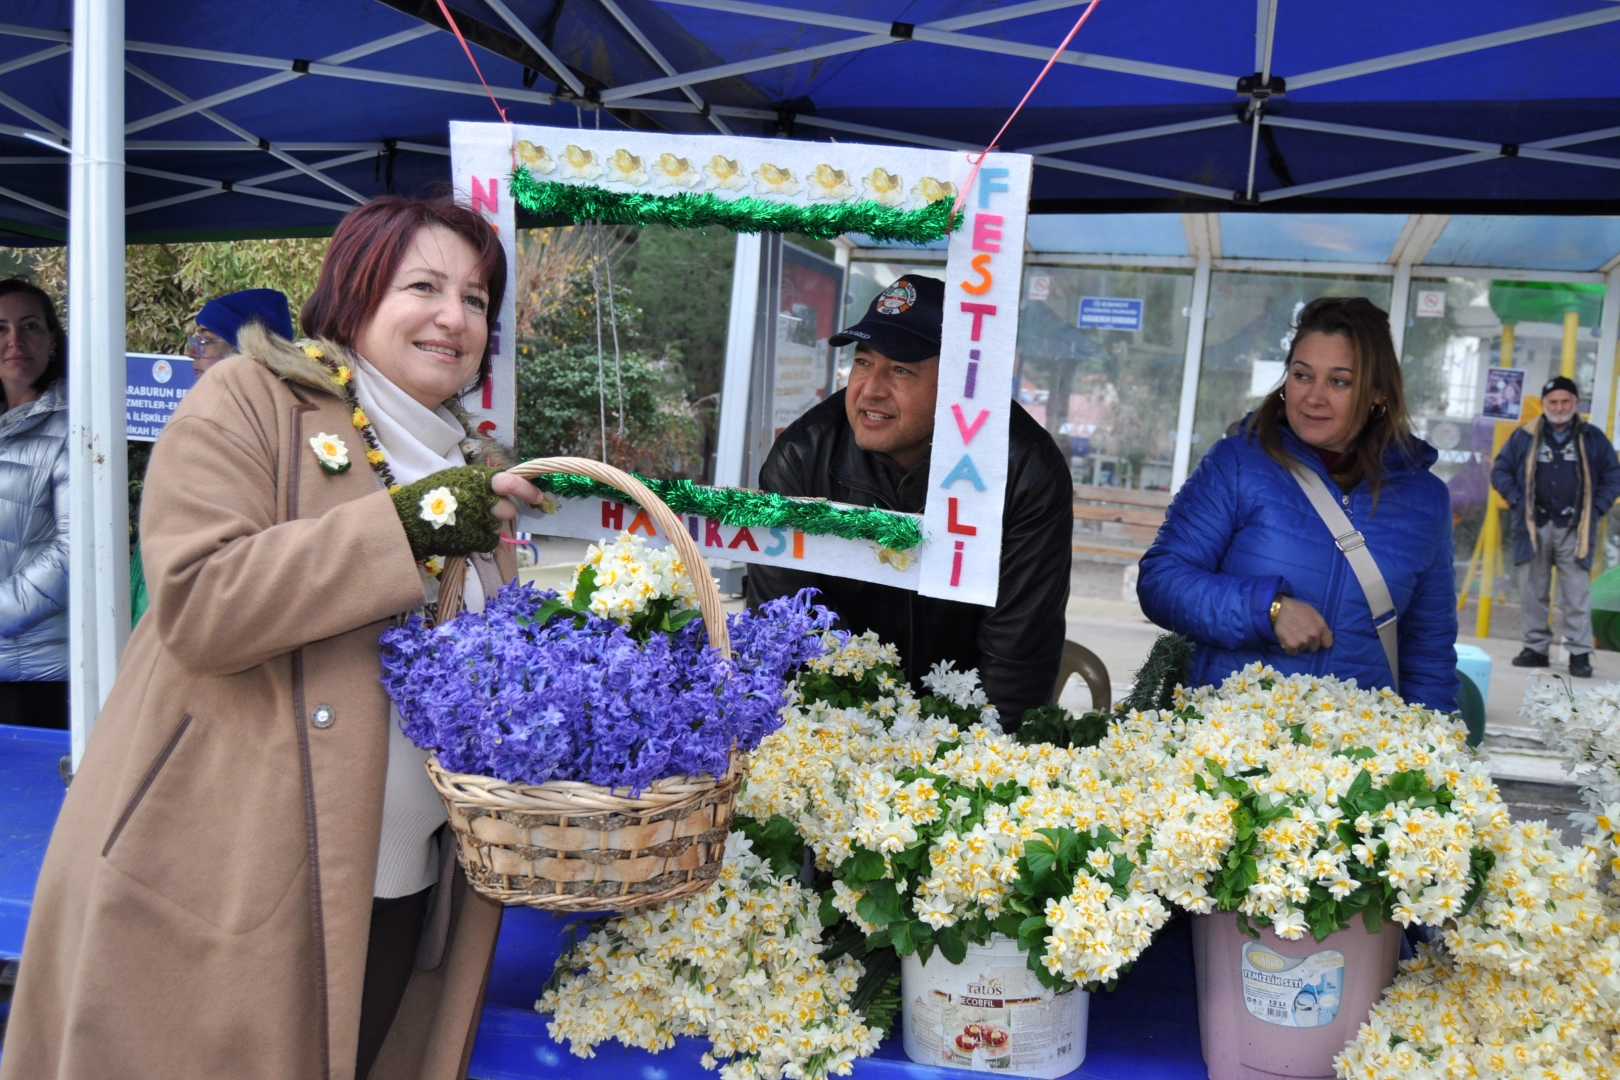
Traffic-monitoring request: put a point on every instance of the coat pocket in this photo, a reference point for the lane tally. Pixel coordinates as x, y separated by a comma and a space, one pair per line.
215, 827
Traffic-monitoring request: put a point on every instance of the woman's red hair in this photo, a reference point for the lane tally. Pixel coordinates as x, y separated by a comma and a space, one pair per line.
366, 251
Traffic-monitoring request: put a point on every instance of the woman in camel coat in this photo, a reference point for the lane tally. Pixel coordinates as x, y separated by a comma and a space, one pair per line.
206, 904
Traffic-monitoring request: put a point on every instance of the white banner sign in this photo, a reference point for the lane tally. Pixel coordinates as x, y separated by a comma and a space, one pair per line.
968, 472
594, 519
480, 162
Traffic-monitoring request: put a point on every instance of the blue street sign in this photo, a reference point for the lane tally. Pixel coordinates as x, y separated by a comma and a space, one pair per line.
1110, 313
153, 387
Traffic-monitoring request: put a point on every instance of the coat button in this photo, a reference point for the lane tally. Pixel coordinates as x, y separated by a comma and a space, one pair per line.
323, 716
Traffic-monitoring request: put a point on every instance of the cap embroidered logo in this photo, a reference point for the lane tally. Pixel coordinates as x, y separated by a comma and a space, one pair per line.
896, 299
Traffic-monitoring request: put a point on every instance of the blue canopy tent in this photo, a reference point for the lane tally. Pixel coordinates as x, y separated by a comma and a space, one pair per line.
179, 119
300, 107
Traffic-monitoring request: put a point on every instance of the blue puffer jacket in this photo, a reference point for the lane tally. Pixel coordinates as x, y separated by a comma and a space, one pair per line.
1240, 531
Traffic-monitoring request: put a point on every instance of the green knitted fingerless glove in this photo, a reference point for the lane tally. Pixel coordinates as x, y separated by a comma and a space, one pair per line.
449, 512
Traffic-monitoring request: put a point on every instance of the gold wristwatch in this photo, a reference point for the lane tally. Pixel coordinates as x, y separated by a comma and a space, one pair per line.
1276, 609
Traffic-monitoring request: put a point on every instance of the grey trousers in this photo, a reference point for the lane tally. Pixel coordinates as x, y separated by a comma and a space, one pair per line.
1555, 546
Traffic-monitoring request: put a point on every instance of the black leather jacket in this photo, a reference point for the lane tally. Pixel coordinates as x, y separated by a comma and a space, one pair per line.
1016, 645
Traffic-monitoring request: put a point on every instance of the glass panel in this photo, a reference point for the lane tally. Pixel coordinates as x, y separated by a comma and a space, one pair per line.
1327, 237
1109, 397
1251, 318
1452, 340
1108, 234
1542, 243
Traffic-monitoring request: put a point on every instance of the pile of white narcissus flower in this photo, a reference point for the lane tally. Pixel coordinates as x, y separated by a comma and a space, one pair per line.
629, 575
1584, 726
1527, 984
832, 772
1249, 723
738, 963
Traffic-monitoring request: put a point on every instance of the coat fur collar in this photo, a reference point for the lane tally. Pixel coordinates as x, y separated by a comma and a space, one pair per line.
288, 362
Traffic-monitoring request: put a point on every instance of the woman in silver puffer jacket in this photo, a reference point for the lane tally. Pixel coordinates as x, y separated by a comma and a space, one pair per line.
33, 509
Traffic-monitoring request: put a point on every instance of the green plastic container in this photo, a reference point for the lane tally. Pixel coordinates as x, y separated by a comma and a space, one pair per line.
1606, 609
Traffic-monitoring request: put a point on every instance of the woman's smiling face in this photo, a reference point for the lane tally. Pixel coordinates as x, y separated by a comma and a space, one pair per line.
1319, 391
427, 337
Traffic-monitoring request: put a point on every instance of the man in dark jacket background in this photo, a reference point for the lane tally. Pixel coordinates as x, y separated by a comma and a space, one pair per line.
1560, 476
869, 445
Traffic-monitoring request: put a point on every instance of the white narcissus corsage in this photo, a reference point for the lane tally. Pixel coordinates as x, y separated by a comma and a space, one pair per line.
439, 508
330, 452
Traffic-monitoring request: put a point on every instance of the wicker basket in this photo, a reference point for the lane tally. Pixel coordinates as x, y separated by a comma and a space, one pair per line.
576, 847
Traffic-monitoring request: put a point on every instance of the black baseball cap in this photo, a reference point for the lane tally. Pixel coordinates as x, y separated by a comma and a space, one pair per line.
1561, 382
903, 322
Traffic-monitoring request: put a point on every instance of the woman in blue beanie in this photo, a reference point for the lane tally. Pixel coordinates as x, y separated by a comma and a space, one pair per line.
222, 319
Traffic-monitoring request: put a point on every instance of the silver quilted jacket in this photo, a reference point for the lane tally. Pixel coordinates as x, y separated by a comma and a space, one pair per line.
34, 539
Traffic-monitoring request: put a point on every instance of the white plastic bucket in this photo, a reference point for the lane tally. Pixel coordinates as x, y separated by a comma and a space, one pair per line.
991, 1014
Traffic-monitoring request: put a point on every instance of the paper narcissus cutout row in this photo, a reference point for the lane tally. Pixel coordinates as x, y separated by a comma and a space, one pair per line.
625, 178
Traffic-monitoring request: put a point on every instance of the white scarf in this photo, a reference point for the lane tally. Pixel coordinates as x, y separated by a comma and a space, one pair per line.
419, 441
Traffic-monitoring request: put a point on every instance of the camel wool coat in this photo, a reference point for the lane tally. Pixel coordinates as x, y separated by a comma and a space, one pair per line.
204, 905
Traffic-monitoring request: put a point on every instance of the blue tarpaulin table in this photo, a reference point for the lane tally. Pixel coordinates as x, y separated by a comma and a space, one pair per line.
1147, 1029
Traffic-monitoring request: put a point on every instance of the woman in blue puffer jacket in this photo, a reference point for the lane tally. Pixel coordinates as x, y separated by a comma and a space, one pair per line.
1246, 569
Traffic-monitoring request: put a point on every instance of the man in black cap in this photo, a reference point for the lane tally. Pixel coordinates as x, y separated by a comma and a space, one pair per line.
1559, 475
869, 445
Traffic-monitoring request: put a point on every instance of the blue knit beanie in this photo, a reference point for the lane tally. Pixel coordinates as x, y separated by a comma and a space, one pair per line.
225, 315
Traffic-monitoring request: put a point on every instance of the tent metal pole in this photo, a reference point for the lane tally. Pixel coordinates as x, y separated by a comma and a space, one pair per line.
1399, 292
235, 129
35, 203
521, 29
629, 27
1197, 315
880, 33
34, 58
35, 32
1254, 145
37, 117
1379, 174
1454, 48
1266, 39
98, 514
748, 67
285, 70
1534, 150
44, 138
1225, 120
730, 442
1608, 338
1134, 178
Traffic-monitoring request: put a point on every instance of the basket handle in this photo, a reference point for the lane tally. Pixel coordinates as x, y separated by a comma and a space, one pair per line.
668, 522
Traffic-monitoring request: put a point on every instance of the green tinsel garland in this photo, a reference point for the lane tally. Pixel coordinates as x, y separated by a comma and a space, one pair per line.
696, 210
739, 507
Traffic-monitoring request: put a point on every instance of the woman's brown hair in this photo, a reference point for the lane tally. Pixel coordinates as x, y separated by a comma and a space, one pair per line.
366, 251
1377, 400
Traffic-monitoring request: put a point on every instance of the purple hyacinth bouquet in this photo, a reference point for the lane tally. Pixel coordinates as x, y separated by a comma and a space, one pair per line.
611, 682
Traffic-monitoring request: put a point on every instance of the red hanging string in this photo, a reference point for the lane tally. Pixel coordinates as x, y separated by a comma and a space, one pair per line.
468, 50
961, 196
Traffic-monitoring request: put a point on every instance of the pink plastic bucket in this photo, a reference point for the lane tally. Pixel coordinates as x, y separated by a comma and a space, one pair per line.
1273, 1008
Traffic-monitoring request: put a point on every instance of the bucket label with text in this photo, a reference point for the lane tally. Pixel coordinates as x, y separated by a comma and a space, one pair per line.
1000, 1024
1292, 991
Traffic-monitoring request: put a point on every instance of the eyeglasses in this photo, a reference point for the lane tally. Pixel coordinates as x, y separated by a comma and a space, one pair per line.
197, 345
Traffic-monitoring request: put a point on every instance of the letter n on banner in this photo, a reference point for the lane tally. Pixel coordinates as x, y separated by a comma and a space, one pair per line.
983, 279
480, 162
